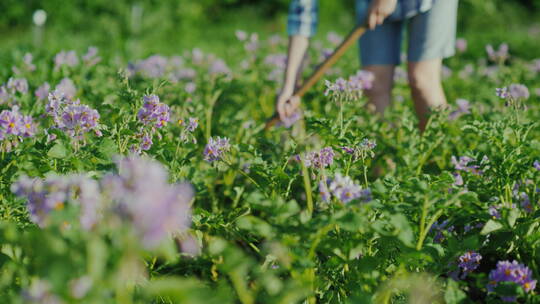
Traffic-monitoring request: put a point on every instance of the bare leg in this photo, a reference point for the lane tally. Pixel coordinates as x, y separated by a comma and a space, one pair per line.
426, 88
380, 94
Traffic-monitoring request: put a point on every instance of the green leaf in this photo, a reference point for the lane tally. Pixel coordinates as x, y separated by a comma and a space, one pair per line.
512, 217
491, 226
452, 294
58, 151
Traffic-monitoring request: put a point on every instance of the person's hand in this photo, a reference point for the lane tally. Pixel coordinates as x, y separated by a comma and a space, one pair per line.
379, 10
287, 105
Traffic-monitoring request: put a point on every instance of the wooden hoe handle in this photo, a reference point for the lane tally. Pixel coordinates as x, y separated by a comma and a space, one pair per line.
321, 69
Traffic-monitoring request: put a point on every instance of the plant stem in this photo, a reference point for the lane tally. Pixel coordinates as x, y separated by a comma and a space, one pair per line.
307, 186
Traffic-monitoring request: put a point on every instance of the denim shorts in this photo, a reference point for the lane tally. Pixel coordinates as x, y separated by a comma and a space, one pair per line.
431, 34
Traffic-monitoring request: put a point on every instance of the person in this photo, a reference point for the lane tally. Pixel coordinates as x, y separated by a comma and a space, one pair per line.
431, 26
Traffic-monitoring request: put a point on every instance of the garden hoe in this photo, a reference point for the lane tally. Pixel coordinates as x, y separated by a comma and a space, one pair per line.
319, 72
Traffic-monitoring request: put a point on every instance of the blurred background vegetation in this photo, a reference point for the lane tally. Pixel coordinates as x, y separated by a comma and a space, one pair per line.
134, 29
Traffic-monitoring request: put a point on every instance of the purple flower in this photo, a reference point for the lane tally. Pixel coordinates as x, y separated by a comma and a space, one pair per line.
324, 191
275, 40
144, 199
79, 287
320, 159
67, 58
499, 55
216, 148
458, 179
153, 112
17, 85
43, 91
190, 87
40, 292
290, 120
350, 89
218, 67
463, 164
439, 228
67, 87
515, 272
461, 45
71, 116
334, 38
146, 142
240, 35
91, 58
502, 92
518, 91
494, 212
55, 193
192, 125
253, 44
152, 67
536, 165
468, 262
278, 61
362, 150
463, 107
13, 125
345, 190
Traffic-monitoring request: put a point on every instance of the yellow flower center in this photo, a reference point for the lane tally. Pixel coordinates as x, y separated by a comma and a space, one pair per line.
59, 206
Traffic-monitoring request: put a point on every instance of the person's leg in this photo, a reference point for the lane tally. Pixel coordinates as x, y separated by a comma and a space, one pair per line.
379, 54
380, 94
432, 37
426, 88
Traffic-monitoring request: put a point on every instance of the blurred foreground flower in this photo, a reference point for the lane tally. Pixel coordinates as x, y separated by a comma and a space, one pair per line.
56, 193
143, 198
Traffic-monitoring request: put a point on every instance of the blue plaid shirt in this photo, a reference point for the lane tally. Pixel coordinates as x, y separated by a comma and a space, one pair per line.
303, 14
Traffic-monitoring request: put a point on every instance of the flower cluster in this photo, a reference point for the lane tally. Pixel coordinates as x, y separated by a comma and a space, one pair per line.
515, 272
513, 94
42, 92
468, 262
189, 128
9, 90
91, 57
216, 148
351, 89
55, 193
27, 65
67, 87
278, 63
153, 115
461, 44
319, 159
251, 42
362, 150
65, 58
71, 116
144, 199
13, 127
439, 229
153, 112
498, 56
463, 107
343, 189
465, 163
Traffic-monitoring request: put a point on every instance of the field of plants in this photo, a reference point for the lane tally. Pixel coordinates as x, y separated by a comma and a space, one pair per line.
153, 180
